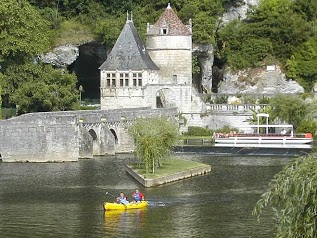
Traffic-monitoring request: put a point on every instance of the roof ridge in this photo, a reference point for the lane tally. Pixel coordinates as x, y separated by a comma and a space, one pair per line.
172, 22
129, 52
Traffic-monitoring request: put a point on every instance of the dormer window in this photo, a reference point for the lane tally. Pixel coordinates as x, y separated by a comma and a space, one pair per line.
164, 31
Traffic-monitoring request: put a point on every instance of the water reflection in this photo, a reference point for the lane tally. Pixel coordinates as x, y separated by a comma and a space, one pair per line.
124, 220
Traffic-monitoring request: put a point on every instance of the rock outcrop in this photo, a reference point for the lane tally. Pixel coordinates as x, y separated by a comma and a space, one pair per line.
205, 54
61, 56
260, 81
238, 12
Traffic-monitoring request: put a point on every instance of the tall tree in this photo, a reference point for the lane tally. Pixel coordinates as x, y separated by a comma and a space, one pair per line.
23, 34
40, 88
292, 195
154, 139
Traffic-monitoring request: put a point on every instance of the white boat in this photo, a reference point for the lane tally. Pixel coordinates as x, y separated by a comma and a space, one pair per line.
263, 139
283, 134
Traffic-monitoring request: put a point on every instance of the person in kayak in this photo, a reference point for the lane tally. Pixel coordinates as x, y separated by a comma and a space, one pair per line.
138, 196
122, 199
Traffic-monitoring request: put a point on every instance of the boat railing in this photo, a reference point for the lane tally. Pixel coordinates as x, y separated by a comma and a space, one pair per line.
298, 135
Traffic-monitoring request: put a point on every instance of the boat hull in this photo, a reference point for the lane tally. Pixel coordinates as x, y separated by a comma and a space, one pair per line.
116, 206
263, 140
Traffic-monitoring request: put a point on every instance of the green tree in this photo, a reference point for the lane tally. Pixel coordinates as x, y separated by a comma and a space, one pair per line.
24, 34
273, 19
253, 120
302, 66
108, 30
306, 8
40, 88
292, 195
204, 15
154, 139
289, 108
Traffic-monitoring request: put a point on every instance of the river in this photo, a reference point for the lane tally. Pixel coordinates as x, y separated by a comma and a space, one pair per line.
65, 199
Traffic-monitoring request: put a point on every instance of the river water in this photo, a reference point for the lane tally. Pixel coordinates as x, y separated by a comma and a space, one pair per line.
65, 199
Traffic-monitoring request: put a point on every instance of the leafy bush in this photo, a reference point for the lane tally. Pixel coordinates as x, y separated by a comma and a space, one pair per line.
198, 131
264, 100
222, 99
306, 126
226, 129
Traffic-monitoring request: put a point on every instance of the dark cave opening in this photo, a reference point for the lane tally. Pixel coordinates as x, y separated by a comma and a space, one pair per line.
86, 67
217, 73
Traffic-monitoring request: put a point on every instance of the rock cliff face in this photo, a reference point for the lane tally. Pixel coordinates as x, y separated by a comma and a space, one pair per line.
84, 60
261, 81
61, 56
239, 12
205, 55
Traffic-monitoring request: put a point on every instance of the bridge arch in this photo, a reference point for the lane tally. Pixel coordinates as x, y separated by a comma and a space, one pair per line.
114, 135
95, 143
93, 134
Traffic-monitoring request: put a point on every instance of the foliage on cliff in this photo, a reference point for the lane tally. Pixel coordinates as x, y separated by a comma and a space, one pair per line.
154, 139
292, 195
277, 31
302, 65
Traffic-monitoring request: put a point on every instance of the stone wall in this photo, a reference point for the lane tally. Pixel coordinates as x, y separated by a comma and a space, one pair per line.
173, 55
43, 139
173, 95
67, 136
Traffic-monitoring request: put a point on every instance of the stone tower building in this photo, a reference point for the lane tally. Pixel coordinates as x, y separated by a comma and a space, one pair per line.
156, 75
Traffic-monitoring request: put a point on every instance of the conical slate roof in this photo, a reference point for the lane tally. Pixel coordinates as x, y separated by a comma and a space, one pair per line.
129, 52
170, 21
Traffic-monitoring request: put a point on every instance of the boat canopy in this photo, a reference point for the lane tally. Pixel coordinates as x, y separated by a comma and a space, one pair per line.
267, 126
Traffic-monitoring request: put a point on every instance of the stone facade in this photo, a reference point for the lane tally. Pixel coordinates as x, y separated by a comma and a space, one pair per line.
156, 75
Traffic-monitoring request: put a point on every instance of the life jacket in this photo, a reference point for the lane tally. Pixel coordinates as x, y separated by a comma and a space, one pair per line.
138, 196
123, 200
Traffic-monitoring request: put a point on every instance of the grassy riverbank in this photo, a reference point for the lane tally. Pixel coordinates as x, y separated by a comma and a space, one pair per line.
170, 167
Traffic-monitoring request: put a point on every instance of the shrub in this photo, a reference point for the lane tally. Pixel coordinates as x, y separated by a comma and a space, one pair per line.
198, 131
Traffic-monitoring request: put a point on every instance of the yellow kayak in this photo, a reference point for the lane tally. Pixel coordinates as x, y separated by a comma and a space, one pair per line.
117, 206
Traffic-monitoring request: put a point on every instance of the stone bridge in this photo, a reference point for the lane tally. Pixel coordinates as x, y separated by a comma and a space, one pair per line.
68, 136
